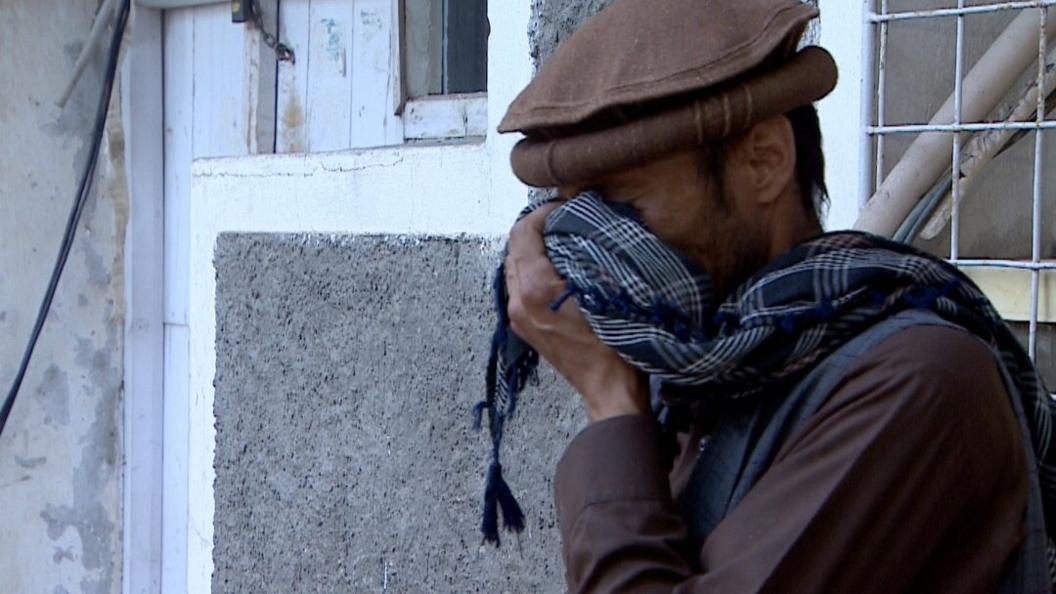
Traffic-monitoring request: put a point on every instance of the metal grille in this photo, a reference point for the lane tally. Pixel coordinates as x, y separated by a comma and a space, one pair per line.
876, 129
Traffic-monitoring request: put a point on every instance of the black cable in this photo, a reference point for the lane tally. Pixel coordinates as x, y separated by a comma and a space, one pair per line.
83, 191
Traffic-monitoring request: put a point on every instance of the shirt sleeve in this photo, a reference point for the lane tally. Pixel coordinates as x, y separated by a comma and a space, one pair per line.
910, 476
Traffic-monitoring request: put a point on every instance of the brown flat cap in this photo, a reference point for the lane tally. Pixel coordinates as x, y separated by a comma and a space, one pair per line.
644, 78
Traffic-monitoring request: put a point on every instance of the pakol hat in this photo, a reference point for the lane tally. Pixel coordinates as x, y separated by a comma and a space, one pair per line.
646, 78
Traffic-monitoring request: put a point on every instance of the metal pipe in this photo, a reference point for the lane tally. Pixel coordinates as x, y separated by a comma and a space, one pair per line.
1039, 137
985, 147
980, 127
881, 95
984, 86
958, 104
873, 17
102, 19
1013, 264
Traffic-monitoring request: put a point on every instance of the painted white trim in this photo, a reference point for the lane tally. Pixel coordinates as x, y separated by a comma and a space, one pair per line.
179, 140
441, 117
141, 111
840, 112
167, 4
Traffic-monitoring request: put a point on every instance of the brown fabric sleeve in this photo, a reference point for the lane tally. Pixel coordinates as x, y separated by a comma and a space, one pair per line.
910, 477
614, 510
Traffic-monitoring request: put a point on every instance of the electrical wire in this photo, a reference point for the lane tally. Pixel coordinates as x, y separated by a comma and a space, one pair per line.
83, 192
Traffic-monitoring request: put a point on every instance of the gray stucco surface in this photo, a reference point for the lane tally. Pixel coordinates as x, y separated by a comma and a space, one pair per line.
553, 21
60, 455
345, 457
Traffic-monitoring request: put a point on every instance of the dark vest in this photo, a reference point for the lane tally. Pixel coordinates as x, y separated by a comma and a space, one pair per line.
748, 435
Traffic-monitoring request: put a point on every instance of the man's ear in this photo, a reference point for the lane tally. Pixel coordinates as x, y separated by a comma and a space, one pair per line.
766, 155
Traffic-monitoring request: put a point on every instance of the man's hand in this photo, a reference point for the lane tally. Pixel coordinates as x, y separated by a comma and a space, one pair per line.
609, 386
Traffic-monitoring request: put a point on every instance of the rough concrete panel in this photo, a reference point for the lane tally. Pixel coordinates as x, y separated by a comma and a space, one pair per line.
345, 459
60, 483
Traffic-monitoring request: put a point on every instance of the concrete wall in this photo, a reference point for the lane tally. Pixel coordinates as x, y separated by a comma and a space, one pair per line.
60, 455
345, 458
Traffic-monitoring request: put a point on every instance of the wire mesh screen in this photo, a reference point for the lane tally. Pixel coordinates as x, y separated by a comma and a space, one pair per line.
956, 120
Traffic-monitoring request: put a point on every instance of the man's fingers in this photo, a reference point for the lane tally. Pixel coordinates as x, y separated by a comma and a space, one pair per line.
526, 237
532, 283
529, 272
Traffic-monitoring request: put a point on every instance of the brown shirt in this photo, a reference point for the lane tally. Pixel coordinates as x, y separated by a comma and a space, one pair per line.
910, 477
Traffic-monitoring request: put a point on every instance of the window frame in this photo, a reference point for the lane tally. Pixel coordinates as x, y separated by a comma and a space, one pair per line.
442, 116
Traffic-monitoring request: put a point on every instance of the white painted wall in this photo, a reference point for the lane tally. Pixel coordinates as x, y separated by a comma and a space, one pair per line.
217, 103
840, 113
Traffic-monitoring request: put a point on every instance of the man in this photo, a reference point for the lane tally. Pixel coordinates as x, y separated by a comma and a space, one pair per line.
854, 417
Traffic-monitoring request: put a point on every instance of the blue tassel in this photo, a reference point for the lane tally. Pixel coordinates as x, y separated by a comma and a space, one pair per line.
489, 526
497, 496
478, 414
512, 516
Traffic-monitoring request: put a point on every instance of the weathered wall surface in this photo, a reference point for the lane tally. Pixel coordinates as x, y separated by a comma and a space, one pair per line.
60, 489
345, 457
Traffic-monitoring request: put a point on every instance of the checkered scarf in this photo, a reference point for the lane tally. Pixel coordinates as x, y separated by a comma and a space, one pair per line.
657, 310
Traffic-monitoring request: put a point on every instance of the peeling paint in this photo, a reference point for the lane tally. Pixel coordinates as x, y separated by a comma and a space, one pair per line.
87, 514
53, 393
93, 262
21, 479
334, 46
30, 463
372, 24
293, 125
63, 554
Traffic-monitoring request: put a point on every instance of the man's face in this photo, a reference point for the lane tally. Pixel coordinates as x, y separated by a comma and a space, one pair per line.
696, 210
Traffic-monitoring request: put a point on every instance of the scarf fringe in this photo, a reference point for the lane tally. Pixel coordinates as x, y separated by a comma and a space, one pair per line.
498, 497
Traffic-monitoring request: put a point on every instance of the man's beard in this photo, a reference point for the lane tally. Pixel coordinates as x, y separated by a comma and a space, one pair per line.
737, 247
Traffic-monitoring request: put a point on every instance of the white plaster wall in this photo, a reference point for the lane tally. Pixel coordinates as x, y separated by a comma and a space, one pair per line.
447, 190
60, 455
842, 34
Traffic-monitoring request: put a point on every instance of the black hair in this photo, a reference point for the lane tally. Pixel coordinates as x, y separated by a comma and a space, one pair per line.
810, 160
